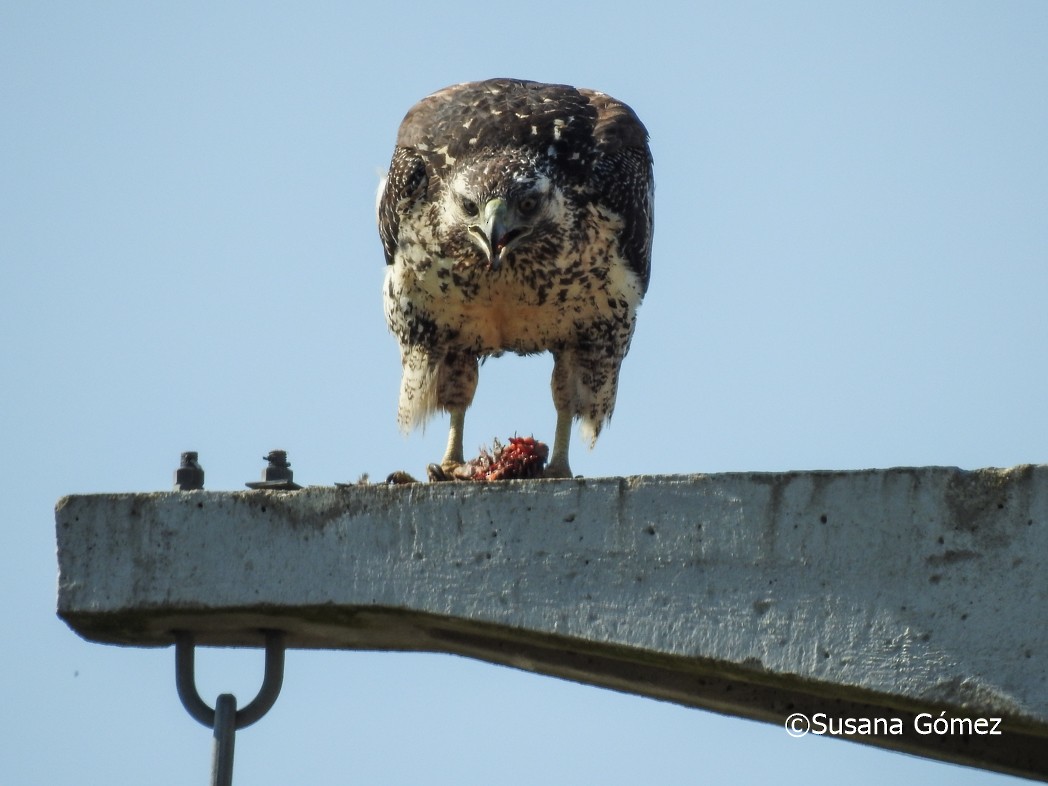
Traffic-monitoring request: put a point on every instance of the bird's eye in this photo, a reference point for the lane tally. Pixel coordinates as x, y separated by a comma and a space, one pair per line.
528, 204
469, 207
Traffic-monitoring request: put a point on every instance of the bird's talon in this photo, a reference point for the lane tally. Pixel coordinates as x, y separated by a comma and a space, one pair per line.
449, 470
557, 471
437, 474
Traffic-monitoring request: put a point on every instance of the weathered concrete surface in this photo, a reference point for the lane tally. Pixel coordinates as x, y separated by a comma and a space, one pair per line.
862, 594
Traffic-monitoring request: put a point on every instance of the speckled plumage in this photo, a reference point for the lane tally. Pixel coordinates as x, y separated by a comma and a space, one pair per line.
516, 216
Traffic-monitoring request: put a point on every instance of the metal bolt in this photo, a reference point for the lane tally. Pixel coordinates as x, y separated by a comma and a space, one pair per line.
190, 475
277, 475
279, 468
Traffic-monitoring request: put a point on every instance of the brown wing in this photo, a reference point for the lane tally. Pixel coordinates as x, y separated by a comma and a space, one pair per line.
406, 182
623, 177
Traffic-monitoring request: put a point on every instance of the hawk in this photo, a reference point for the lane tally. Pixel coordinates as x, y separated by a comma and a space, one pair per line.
517, 217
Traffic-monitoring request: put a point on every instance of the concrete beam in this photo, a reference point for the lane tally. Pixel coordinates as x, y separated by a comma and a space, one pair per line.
867, 594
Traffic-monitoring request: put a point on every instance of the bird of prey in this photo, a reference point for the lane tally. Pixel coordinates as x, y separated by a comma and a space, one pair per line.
517, 217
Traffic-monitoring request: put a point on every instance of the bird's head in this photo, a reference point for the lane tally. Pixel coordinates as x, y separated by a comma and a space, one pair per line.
501, 207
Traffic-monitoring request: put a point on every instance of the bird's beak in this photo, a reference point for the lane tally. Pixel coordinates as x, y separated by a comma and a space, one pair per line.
493, 230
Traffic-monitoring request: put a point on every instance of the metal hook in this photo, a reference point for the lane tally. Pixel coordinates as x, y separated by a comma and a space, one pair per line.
225, 719
185, 681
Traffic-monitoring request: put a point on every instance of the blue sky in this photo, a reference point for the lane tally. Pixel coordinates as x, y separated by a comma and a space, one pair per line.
850, 270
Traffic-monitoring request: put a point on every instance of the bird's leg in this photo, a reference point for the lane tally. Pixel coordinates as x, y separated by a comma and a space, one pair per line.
563, 386
456, 384
453, 456
558, 463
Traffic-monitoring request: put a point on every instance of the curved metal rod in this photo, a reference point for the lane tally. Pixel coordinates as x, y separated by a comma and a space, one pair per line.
272, 681
185, 681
